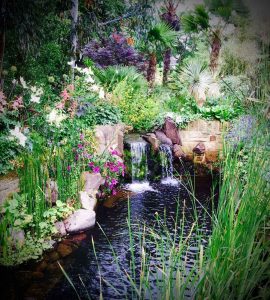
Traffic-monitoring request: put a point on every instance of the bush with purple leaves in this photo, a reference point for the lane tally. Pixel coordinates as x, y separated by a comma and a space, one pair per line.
115, 50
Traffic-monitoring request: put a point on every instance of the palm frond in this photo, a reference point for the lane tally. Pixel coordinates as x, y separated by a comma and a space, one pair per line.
164, 34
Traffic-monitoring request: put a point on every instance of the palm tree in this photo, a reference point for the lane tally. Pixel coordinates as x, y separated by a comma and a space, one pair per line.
200, 20
170, 17
160, 36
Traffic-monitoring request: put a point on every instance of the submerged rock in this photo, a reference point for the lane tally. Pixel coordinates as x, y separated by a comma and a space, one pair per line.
80, 220
64, 250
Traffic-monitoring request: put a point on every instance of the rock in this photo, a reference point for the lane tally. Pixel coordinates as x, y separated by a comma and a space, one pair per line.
110, 136
64, 250
91, 182
80, 220
163, 138
199, 148
37, 275
60, 227
87, 201
51, 193
152, 139
177, 151
8, 186
17, 237
171, 131
52, 256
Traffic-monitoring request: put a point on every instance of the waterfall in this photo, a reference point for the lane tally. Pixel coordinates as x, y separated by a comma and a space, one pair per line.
139, 161
167, 164
139, 173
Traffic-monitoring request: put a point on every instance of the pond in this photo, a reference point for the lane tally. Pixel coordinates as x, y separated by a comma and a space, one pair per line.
166, 198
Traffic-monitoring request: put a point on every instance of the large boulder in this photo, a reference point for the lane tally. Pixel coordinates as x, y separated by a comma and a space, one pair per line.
110, 136
88, 201
178, 152
163, 138
152, 139
80, 220
91, 182
60, 227
171, 131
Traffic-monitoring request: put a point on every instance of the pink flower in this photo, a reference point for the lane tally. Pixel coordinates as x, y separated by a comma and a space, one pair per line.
114, 192
65, 95
81, 136
91, 164
69, 168
60, 105
96, 169
80, 146
115, 152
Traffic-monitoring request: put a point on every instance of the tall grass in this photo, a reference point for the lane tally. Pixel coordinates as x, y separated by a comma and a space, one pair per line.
237, 258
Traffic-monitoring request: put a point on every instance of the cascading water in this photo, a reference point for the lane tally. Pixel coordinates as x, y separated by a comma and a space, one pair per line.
139, 161
167, 164
139, 168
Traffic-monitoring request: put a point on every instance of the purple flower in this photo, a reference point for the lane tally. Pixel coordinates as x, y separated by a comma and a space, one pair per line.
114, 192
96, 169
115, 152
114, 181
68, 168
80, 146
91, 164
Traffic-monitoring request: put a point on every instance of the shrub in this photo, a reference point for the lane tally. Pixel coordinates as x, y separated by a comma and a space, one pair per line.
115, 50
137, 109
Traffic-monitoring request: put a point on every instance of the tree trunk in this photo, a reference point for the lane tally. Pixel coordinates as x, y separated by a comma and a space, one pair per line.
74, 37
166, 65
151, 72
215, 51
2, 36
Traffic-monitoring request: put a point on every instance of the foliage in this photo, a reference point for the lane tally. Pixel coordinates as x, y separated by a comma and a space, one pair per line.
37, 235
112, 75
100, 114
115, 50
9, 150
137, 109
237, 260
223, 109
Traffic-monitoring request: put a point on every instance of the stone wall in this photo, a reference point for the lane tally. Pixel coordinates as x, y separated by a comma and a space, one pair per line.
207, 133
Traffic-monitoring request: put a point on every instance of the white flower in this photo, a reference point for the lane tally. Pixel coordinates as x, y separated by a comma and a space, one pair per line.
71, 63
20, 136
23, 83
178, 119
34, 98
37, 92
56, 117
101, 94
89, 79
94, 88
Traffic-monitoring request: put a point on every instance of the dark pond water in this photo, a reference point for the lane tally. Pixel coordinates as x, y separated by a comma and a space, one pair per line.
81, 264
